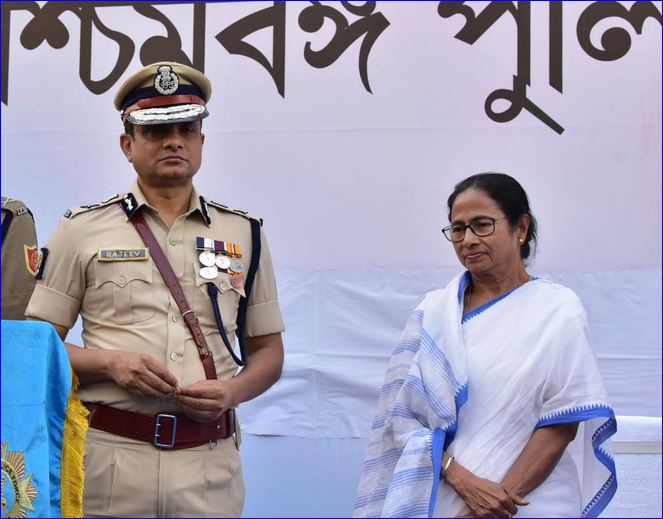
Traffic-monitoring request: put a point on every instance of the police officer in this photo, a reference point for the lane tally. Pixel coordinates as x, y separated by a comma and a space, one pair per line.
163, 438
20, 258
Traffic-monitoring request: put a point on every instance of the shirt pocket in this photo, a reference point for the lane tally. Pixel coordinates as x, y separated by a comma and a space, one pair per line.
128, 284
228, 299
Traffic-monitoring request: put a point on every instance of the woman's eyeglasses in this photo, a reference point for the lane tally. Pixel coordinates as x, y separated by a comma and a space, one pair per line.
481, 227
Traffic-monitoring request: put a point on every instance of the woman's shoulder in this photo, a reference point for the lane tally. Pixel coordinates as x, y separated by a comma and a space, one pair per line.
554, 292
451, 292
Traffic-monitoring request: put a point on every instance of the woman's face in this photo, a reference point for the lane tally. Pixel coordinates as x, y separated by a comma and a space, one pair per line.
498, 253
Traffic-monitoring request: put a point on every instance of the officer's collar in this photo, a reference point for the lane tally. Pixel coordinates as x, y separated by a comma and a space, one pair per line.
134, 199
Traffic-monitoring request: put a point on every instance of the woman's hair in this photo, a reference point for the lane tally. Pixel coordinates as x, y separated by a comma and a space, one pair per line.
509, 196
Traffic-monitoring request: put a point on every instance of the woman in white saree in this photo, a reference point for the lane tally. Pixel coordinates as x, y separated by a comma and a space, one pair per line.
491, 382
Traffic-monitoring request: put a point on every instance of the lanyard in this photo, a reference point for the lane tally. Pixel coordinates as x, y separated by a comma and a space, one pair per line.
213, 293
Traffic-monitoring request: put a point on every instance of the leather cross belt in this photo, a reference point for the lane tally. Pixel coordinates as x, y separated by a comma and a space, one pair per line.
165, 430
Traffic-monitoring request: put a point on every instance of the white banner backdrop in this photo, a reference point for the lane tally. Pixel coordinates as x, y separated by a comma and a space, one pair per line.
352, 185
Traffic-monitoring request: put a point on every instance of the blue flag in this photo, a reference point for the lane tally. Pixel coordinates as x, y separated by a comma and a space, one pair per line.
43, 424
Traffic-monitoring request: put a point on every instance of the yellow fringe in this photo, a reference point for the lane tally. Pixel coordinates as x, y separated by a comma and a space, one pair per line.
73, 451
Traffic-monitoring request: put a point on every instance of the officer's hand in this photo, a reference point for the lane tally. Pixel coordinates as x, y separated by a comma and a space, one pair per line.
204, 401
141, 374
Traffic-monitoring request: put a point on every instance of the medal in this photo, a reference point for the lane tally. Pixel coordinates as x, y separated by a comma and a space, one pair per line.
204, 243
209, 272
219, 247
207, 258
236, 266
237, 280
223, 262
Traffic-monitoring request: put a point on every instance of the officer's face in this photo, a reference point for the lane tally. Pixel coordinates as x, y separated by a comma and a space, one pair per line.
165, 154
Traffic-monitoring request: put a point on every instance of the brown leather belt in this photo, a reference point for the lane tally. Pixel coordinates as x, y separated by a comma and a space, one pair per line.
165, 430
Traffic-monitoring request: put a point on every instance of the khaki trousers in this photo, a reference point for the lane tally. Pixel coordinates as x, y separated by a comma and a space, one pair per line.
128, 478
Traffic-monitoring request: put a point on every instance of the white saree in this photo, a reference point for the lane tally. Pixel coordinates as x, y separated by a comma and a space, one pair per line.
519, 362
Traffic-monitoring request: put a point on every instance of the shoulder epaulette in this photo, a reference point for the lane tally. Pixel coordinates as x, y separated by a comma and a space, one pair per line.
70, 213
224, 207
16, 207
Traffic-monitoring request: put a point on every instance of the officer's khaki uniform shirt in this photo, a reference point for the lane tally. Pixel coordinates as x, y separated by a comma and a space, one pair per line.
125, 304
20, 258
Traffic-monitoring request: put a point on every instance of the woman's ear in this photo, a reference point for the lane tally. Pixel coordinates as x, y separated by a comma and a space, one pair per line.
523, 226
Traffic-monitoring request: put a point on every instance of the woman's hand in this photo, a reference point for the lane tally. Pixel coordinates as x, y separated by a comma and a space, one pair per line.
484, 498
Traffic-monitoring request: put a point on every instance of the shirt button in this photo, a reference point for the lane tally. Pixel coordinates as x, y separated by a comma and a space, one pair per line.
223, 285
172, 242
122, 280
174, 318
173, 356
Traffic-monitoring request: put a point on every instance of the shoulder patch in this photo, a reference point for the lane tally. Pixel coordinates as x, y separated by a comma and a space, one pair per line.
74, 211
239, 212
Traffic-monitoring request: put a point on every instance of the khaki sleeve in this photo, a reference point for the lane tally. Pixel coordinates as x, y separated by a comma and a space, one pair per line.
17, 280
58, 295
263, 316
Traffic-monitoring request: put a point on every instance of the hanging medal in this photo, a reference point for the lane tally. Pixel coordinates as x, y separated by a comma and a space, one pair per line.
237, 280
222, 262
209, 272
236, 266
207, 258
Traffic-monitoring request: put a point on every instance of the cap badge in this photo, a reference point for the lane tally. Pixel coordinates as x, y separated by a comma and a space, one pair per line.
166, 81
